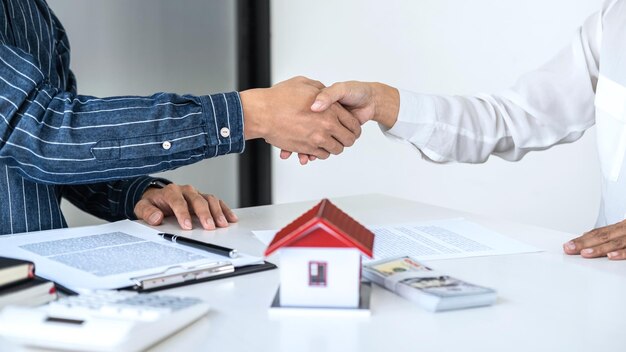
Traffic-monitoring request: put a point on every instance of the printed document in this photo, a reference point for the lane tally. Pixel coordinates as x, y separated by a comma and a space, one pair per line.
440, 239
106, 256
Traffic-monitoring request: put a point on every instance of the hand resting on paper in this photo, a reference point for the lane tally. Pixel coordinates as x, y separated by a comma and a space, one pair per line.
182, 202
609, 241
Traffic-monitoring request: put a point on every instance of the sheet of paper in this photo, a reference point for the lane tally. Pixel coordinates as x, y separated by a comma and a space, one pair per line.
440, 239
265, 236
106, 256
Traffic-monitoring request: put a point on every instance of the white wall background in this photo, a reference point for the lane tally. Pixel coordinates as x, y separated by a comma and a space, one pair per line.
437, 46
146, 46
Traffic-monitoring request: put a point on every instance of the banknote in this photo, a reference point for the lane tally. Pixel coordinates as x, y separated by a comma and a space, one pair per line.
432, 290
397, 265
445, 286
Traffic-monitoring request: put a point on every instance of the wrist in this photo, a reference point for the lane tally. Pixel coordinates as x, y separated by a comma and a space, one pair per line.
254, 105
155, 185
159, 183
387, 104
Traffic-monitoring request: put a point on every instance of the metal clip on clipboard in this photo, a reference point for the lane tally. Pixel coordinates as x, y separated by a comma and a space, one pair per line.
167, 277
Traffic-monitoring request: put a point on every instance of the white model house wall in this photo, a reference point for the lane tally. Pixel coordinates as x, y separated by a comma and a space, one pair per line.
343, 274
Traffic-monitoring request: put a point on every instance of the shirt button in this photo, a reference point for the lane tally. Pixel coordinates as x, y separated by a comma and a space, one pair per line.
166, 145
225, 132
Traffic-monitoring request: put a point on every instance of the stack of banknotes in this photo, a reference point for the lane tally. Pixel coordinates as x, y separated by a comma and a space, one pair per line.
430, 289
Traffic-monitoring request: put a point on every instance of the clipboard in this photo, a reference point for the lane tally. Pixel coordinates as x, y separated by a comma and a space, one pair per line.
243, 270
192, 275
79, 270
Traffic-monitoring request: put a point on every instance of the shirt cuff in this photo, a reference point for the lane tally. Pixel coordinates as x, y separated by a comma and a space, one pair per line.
416, 119
133, 192
224, 115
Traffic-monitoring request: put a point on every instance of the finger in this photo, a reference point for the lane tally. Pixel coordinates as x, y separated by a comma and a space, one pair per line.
617, 255
176, 201
602, 249
322, 154
348, 120
318, 150
304, 159
216, 210
344, 135
230, 215
332, 146
144, 210
200, 207
594, 237
285, 154
328, 96
308, 156
340, 137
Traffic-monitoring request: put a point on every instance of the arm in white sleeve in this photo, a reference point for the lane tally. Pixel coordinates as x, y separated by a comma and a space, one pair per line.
549, 106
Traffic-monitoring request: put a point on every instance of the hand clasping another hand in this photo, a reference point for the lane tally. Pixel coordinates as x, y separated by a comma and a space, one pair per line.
366, 101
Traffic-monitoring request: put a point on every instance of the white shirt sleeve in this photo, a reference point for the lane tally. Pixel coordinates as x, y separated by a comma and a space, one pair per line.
551, 105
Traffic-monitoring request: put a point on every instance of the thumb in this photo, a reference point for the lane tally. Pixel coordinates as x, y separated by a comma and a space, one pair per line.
329, 96
146, 211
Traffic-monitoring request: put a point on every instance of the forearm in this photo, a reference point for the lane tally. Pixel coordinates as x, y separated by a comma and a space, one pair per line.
110, 201
51, 136
471, 128
551, 105
254, 104
387, 104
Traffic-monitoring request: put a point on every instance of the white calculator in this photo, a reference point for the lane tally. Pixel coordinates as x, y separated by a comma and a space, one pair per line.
101, 321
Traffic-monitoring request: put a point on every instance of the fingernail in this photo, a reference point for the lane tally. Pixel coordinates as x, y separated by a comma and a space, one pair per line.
188, 224
154, 218
570, 246
210, 224
587, 251
235, 217
316, 105
611, 255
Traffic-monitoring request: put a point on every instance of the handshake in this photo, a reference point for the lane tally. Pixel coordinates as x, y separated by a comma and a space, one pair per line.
303, 116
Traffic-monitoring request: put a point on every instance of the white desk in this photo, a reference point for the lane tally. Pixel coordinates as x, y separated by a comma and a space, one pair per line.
547, 301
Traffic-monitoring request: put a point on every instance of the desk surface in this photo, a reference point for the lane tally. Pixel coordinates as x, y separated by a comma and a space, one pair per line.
547, 301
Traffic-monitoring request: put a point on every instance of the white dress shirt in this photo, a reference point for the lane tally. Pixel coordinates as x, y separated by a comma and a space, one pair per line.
582, 85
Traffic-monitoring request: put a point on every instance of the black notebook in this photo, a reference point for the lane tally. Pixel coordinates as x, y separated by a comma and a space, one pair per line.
15, 270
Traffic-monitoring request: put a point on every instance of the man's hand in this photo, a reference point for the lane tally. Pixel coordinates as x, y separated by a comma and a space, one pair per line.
604, 241
183, 201
282, 116
365, 101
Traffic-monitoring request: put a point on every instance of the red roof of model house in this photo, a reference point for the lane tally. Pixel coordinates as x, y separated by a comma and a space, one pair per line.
324, 226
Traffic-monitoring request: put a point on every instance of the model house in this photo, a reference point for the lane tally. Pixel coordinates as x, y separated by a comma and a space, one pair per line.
320, 258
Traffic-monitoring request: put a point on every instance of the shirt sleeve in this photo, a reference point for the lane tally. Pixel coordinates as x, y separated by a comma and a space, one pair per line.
551, 105
111, 201
58, 137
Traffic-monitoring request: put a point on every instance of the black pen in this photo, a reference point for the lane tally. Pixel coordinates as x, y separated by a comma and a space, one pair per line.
232, 253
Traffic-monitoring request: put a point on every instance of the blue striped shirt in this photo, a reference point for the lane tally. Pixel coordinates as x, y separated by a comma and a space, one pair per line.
95, 152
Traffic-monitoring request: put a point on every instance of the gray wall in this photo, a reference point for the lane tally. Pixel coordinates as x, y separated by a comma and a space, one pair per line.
141, 47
